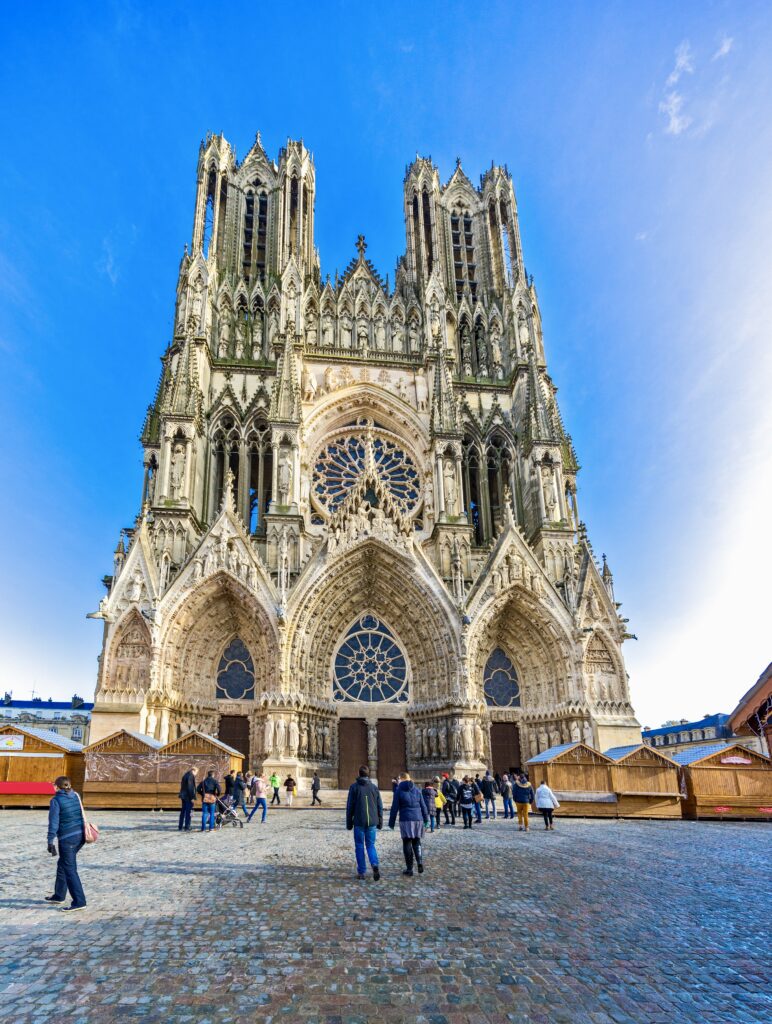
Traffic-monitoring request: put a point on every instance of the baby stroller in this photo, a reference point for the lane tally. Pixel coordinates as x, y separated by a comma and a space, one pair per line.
225, 815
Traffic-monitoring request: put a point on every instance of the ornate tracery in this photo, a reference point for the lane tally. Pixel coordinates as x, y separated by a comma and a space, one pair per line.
369, 664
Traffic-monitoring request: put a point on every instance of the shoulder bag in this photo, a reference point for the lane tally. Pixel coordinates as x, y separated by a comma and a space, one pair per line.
90, 831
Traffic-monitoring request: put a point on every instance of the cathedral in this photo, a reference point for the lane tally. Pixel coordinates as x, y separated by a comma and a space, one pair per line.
358, 537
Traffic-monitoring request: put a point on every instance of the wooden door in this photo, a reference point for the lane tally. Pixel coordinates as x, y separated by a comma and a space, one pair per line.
234, 730
352, 749
505, 747
392, 757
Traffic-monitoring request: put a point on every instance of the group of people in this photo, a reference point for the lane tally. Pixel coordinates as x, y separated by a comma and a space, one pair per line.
420, 809
238, 791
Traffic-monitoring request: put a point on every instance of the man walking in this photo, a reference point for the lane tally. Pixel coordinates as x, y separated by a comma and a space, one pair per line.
188, 798
450, 792
524, 797
506, 796
274, 781
364, 814
239, 793
260, 790
489, 790
316, 785
228, 797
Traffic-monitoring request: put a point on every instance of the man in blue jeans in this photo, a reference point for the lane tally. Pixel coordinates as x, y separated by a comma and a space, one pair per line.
364, 814
210, 791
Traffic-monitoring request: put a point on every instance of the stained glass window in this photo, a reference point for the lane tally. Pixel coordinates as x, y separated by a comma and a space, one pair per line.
500, 684
236, 673
370, 664
339, 465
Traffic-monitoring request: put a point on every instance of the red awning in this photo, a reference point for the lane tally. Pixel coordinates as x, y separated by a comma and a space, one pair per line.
28, 788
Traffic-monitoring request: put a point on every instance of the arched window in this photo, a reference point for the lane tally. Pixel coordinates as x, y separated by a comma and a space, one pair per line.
236, 673
428, 233
293, 217
417, 235
507, 243
249, 229
369, 664
471, 465
225, 455
462, 241
211, 186
499, 463
500, 684
260, 475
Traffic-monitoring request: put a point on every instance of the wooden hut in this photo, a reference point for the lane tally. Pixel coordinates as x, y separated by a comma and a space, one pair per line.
122, 771
192, 750
725, 781
30, 760
579, 777
645, 782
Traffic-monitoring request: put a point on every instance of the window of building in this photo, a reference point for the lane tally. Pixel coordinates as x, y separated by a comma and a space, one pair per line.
236, 673
428, 233
369, 664
209, 213
340, 464
260, 476
77, 732
500, 683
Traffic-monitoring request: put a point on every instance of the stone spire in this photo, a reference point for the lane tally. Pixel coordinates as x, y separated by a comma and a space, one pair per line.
285, 398
444, 411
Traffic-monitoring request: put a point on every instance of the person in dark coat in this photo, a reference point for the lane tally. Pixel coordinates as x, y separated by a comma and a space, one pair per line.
364, 814
506, 794
65, 824
524, 798
489, 788
228, 779
316, 785
209, 790
466, 795
450, 792
429, 793
239, 793
188, 798
413, 815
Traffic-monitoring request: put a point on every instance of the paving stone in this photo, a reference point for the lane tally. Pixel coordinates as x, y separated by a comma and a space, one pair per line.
599, 922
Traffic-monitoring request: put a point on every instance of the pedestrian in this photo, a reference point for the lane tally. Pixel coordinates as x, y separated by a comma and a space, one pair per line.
524, 797
439, 800
364, 814
274, 782
489, 789
228, 780
506, 796
478, 798
66, 824
316, 785
449, 789
209, 790
187, 798
547, 802
238, 794
260, 790
290, 786
413, 815
429, 793
466, 794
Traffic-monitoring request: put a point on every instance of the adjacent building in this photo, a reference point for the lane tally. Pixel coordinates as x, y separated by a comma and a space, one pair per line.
70, 720
359, 536
682, 735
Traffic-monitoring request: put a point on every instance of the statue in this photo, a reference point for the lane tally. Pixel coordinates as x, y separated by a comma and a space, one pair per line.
284, 478
421, 390
197, 303
587, 729
479, 739
468, 739
268, 737
327, 338
419, 742
496, 351
281, 730
294, 737
181, 307
466, 350
311, 334
482, 352
273, 329
433, 744
576, 733
177, 471
346, 328
380, 333
362, 334
282, 562
523, 334
324, 743
309, 385
372, 743
449, 483
225, 336
304, 737
257, 336
413, 336
442, 739
311, 739
401, 388
548, 490
240, 332
436, 326
398, 336
455, 739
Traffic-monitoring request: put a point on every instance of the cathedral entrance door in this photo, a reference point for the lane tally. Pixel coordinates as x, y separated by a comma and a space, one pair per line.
505, 747
352, 749
392, 758
234, 730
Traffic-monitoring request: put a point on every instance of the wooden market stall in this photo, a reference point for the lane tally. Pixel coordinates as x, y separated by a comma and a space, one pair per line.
122, 771
192, 750
645, 782
579, 777
30, 760
725, 781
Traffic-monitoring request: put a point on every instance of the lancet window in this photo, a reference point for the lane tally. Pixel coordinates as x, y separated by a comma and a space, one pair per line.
417, 234
209, 213
260, 475
370, 664
428, 233
464, 265
507, 243
236, 673
500, 683
487, 472
225, 455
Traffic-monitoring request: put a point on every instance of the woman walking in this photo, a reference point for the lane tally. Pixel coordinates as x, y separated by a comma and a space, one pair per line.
290, 786
410, 806
466, 794
524, 797
547, 802
65, 823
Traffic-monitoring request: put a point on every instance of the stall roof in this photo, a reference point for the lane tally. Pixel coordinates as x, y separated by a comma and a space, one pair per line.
620, 753
48, 737
205, 736
148, 741
692, 754
547, 755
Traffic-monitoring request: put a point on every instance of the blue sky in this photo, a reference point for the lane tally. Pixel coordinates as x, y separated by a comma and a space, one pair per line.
640, 142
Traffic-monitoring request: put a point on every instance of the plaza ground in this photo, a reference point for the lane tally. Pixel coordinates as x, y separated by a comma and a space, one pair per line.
600, 922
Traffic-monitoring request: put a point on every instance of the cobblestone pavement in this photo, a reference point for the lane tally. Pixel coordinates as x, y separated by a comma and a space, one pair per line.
600, 922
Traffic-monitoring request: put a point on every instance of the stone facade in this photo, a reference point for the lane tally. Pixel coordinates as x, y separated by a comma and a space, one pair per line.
359, 500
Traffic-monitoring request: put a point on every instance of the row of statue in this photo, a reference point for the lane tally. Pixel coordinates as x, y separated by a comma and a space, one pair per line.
368, 521
298, 736
457, 738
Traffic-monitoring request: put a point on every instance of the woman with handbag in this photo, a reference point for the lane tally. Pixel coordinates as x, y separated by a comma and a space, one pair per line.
67, 824
209, 790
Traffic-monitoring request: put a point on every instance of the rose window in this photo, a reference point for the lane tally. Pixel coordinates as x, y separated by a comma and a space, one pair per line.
370, 664
341, 462
500, 685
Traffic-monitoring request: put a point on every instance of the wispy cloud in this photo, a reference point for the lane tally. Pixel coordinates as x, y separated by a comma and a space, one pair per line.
684, 64
725, 46
108, 265
672, 106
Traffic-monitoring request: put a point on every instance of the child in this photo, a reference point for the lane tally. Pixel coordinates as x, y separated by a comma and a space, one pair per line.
429, 793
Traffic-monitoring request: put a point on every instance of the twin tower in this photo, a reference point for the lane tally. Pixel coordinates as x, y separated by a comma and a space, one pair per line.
359, 537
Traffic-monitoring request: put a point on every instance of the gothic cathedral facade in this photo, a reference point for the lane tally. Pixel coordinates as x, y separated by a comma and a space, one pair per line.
359, 537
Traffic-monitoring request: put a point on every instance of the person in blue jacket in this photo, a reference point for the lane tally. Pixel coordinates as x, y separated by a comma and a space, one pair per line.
413, 814
364, 814
65, 824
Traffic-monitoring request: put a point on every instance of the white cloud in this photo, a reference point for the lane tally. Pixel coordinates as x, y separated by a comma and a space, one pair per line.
684, 65
107, 264
671, 106
641, 236
726, 45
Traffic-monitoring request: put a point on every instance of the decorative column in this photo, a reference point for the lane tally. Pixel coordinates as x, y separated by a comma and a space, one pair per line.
166, 463
274, 472
440, 489
242, 503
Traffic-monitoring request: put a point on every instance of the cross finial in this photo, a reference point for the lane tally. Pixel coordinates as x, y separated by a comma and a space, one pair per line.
361, 246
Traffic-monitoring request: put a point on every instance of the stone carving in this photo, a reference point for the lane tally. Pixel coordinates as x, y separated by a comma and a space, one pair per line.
284, 478
177, 471
293, 737
456, 740
268, 736
421, 390
281, 734
451, 490
309, 385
